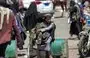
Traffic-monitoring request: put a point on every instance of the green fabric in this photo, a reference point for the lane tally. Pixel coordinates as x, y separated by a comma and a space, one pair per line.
57, 47
11, 49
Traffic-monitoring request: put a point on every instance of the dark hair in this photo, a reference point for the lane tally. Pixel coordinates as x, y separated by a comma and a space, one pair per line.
4, 3
83, 1
72, 3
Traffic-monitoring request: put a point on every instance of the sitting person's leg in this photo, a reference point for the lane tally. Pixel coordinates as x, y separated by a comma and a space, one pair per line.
48, 52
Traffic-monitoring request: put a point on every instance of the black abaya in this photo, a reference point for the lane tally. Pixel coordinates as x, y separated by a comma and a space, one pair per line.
75, 28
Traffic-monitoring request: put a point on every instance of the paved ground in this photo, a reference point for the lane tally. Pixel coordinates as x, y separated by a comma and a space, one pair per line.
62, 31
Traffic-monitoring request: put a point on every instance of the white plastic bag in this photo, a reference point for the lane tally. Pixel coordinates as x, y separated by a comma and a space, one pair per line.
69, 21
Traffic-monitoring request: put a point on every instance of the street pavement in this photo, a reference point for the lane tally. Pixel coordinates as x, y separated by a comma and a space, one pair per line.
62, 31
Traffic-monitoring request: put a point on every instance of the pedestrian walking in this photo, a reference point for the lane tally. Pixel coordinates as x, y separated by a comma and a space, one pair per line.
75, 26
7, 24
62, 4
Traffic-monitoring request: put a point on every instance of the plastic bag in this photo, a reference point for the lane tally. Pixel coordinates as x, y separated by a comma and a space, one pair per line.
11, 49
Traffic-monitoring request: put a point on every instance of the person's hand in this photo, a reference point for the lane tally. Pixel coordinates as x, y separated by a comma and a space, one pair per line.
37, 31
42, 30
20, 44
33, 30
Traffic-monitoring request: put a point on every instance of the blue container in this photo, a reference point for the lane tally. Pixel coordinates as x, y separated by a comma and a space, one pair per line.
88, 22
46, 4
87, 19
11, 50
57, 47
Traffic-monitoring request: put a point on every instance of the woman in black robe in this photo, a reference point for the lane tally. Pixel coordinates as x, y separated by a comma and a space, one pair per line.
75, 26
31, 17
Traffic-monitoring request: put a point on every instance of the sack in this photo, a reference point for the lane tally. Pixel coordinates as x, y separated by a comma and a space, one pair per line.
11, 49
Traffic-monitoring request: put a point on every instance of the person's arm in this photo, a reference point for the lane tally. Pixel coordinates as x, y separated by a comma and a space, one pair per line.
53, 33
17, 33
47, 28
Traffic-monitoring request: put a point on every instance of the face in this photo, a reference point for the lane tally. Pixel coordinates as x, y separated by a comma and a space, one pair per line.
72, 3
48, 19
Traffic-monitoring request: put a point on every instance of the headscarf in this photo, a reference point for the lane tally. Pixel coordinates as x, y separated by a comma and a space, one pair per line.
72, 3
